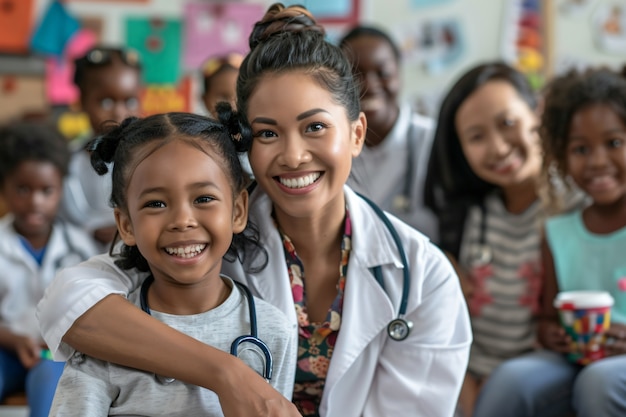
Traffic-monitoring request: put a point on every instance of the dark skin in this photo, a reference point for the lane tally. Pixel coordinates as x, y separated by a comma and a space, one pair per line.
110, 94
378, 72
32, 192
595, 158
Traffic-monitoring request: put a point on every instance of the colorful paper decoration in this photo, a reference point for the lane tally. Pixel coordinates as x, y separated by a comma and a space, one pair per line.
158, 42
60, 88
15, 25
226, 25
55, 30
167, 98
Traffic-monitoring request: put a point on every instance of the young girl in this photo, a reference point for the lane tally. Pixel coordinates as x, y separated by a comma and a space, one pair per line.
219, 76
34, 245
584, 133
177, 224
482, 182
398, 140
334, 266
109, 81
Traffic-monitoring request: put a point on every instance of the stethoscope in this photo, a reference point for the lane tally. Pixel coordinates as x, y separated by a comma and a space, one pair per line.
234, 347
399, 328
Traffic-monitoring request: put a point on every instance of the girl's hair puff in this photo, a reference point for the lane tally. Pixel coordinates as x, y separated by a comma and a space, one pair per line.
31, 141
287, 39
451, 186
121, 145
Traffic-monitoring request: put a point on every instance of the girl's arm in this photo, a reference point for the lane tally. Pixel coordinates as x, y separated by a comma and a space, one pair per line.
550, 332
117, 331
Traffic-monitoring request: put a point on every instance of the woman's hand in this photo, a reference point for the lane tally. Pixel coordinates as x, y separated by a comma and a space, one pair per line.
615, 340
552, 336
246, 394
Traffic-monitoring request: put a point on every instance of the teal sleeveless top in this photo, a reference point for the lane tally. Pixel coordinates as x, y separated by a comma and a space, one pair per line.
588, 261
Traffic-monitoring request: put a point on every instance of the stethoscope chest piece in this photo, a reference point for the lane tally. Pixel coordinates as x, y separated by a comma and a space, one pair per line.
399, 329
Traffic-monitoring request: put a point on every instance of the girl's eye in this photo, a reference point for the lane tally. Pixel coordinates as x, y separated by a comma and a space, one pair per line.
315, 127
475, 138
106, 104
616, 143
154, 204
132, 103
580, 150
204, 199
385, 74
508, 122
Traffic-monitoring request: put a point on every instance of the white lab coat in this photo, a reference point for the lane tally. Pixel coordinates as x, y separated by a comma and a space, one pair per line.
370, 375
23, 281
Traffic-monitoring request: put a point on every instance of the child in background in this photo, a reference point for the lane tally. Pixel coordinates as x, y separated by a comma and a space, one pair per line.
584, 133
180, 206
482, 183
219, 76
33, 246
391, 169
109, 81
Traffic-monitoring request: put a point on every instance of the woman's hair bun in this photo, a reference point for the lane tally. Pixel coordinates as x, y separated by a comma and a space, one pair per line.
280, 19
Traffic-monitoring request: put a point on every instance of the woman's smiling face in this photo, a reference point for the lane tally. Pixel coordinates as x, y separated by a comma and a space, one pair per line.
497, 130
303, 143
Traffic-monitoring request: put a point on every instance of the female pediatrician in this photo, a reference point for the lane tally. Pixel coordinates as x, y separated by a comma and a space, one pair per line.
334, 266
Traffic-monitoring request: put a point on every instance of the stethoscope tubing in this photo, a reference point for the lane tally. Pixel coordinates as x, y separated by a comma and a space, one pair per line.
234, 348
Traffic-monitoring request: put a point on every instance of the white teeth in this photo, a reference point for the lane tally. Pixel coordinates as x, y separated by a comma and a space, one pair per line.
300, 182
186, 251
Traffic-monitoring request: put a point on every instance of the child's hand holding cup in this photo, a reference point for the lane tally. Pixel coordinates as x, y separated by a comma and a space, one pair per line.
585, 316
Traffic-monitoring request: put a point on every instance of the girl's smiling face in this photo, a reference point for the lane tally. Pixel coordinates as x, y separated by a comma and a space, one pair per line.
303, 143
596, 153
497, 130
181, 213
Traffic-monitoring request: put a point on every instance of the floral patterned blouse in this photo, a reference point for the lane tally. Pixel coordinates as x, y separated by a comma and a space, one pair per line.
316, 341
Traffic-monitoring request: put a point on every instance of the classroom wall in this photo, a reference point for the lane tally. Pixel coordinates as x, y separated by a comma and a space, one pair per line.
481, 25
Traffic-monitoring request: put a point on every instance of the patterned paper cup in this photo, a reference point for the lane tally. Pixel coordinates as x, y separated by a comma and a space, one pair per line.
585, 315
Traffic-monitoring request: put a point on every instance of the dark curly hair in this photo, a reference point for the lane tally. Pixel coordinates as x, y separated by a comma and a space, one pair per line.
31, 141
286, 39
226, 137
569, 93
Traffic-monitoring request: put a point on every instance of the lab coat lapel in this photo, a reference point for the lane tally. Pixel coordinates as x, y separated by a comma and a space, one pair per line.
367, 309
